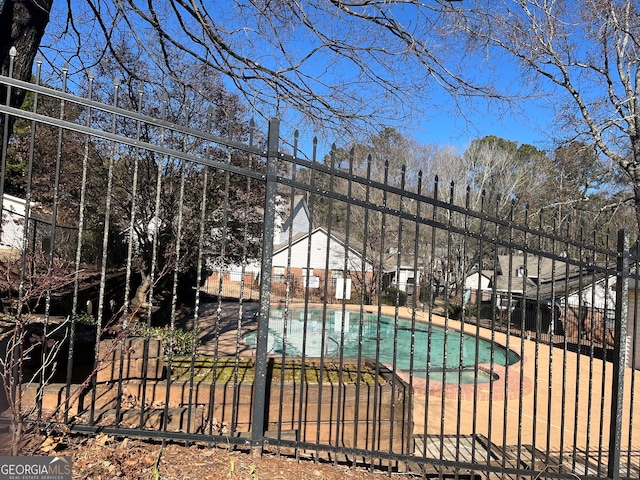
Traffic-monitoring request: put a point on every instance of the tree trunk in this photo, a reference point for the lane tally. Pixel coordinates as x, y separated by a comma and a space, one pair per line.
636, 203
140, 299
22, 25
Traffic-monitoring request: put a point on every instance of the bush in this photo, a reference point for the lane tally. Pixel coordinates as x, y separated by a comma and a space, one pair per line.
391, 293
356, 297
183, 340
86, 319
471, 310
455, 311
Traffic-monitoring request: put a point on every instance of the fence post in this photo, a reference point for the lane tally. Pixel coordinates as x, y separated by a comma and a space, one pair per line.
5, 135
619, 357
260, 382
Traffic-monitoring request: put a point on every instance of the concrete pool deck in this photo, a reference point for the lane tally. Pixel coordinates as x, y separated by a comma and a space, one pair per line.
554, 400
564, 407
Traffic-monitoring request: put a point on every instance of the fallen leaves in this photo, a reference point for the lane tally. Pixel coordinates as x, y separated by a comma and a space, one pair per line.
49, 445
105, 456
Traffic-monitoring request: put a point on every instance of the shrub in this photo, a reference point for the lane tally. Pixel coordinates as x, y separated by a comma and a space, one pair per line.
455, 311
86, 319
390, 294
471, 310
184, 341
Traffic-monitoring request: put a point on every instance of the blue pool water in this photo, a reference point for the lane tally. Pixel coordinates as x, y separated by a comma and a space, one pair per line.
451, 353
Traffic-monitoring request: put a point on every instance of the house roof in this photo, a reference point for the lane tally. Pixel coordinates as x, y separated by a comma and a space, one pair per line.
542, 277
36, 210
543, 269
503, 283
406, 262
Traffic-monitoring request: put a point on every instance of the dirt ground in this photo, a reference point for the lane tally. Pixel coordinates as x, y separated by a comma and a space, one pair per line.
104, 457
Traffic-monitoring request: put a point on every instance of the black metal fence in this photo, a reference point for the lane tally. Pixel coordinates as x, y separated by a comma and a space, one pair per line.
329, 306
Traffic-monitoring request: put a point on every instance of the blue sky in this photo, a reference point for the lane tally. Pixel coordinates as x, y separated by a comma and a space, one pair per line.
527, 121
530, 126
531, 123
442, 124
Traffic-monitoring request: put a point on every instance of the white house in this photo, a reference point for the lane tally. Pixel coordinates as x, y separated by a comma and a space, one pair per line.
302, 254
401, 272
286, 223
506, 286
13, 214
578, 295
314, 257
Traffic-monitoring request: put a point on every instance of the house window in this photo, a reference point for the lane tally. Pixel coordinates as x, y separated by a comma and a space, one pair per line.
521, 272
335, 275
307, 273
278, 274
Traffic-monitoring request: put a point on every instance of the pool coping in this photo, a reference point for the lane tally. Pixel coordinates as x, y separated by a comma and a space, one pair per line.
510, 383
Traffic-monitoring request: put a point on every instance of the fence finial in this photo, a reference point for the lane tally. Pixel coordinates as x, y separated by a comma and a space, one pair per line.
13, 52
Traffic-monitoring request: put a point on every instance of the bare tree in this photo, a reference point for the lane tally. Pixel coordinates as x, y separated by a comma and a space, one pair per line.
492, 176
500, 172
332, 62
583, 55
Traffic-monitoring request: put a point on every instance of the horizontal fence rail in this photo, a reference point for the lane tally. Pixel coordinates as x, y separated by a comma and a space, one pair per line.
169, 276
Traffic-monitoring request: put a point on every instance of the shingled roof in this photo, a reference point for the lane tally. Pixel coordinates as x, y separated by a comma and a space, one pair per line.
542, 277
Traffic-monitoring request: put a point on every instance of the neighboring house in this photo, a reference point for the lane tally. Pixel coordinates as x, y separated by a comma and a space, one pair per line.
402, 276
563, 298
13, 213
297, 227
13, 222
311, 258
302, 255
508, 285
296, 221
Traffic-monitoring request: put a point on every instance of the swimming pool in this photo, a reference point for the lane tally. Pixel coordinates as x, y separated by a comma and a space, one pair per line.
454, 355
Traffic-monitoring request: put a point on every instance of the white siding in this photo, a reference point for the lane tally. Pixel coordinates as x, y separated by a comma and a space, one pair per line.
404, 274
12, 222
601, 295
299, 224
471, 282
320, 244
